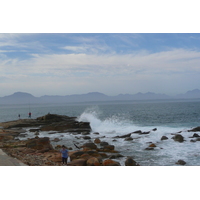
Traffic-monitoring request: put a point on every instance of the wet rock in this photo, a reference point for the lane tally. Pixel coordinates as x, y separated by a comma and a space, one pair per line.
128, 139
34, 130
115, 156
178, 138
96, 133
104, 143
85, 133
124, 136
195, 135
97, 141
192, 140
144, 133
90, 145
152, 145
164, 138
197, 129
52, 133
109, 148
86, 137
155, 129
139, 132
130, 162
110, 162
181, 162
149, 148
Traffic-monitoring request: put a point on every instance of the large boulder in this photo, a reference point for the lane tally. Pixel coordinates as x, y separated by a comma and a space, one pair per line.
130, 162
97, 140
110, 162
90, 145
108, 148
78, 162
93, 162
39, 143
104, 144
178, 138
164, 137
76, 155
180, 162
197, 129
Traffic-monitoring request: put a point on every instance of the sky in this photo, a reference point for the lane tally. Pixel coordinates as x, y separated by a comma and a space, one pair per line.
110, 63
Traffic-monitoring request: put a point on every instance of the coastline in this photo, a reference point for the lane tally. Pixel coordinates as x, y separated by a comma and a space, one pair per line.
95, 151
38, 151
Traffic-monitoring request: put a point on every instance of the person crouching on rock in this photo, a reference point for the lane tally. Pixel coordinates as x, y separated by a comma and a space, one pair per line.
64, 154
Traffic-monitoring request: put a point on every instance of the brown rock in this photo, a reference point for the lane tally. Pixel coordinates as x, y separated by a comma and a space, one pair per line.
39, 143
90, 145
76, 155
54, 156
109, 162
78, 162
152, 145
97, 141
93, 162
4, 138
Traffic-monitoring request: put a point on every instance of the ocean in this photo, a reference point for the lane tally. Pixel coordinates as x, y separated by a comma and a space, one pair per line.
112, 119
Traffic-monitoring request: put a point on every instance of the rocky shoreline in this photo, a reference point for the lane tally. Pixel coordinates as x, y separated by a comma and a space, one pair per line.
39, 151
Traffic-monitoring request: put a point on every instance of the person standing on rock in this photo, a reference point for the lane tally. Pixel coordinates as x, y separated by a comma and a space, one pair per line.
64, 154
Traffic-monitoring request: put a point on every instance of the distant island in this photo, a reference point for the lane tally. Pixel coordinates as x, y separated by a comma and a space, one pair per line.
26, 98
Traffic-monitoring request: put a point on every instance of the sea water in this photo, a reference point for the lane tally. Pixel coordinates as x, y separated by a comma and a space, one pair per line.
112, 119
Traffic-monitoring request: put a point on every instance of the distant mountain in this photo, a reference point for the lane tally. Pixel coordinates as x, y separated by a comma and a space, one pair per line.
26, 98
191, 94
19, 98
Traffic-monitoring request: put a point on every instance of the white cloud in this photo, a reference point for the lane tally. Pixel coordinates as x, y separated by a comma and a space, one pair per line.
108, 73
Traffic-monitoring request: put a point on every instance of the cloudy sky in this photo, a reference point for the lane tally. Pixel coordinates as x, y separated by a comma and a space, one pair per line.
64, 64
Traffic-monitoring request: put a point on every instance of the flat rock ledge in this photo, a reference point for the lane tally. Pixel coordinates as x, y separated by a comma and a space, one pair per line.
50, 122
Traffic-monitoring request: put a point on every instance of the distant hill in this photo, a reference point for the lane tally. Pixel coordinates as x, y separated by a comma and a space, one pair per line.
19, 98
26, 98
192, 94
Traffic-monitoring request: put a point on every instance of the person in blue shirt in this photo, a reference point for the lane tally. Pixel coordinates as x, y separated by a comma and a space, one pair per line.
64, 154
